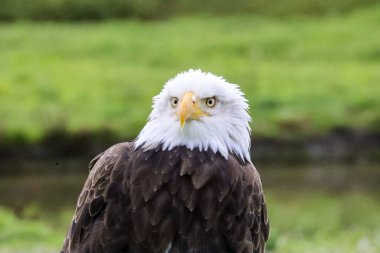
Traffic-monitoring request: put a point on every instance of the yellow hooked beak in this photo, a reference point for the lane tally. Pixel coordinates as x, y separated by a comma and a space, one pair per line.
189, 109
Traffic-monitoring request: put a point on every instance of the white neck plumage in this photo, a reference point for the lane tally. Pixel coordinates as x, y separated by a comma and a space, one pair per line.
209, 133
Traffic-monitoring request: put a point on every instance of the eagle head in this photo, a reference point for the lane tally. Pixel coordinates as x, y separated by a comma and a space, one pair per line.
199, 110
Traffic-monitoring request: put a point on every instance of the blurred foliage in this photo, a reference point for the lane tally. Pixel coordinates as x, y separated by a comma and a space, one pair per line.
302, 76
27, 235
317, 222
153, 9
300, 222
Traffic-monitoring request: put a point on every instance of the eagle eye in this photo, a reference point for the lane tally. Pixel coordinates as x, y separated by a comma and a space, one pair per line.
174, 102
211, 102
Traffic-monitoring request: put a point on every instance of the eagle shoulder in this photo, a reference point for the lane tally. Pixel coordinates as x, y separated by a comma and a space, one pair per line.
257, 210
91, 202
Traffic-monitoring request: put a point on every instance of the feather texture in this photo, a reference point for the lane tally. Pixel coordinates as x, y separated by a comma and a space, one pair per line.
161, 201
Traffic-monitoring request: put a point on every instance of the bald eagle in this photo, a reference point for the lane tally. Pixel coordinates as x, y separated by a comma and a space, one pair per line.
186, 184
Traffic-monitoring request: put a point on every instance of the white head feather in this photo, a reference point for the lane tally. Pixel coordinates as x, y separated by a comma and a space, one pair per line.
225, 129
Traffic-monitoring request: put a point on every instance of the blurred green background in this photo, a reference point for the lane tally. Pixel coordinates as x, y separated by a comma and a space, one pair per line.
76, 76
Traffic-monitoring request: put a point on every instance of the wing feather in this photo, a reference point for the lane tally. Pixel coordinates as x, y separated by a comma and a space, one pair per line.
91, 202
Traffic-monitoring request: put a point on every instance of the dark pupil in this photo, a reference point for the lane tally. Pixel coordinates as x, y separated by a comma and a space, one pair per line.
209, 101
175, 101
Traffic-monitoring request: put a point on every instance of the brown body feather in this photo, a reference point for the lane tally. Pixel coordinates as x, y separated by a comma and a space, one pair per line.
176, 201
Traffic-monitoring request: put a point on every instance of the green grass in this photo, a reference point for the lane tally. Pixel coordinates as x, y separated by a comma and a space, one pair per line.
28, 235
300, 222
318, 223
302, 76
